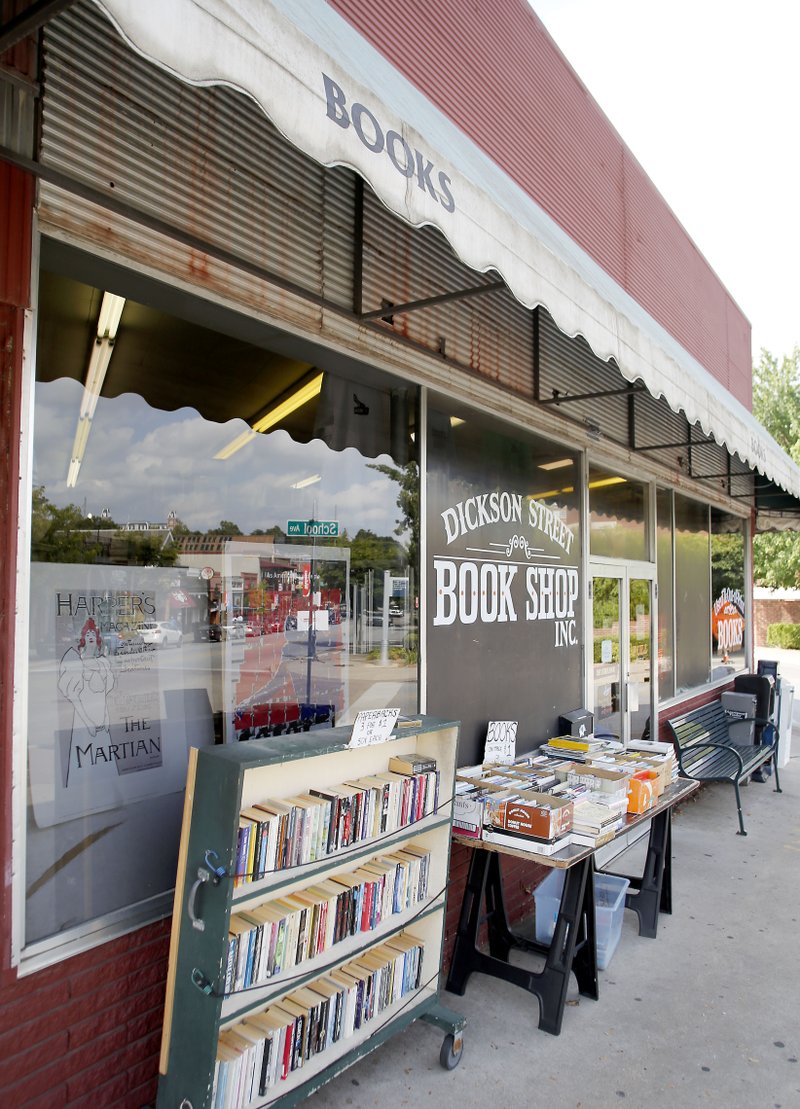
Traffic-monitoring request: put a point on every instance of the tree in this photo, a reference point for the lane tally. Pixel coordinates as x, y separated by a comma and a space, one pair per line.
776, 403
407, 478
61, 534
226, 527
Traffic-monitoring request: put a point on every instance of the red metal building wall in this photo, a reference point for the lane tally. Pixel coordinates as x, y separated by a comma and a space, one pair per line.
491, 66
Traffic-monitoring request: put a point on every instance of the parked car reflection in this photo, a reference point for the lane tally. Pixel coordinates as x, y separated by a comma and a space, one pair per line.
161, 633
209, 633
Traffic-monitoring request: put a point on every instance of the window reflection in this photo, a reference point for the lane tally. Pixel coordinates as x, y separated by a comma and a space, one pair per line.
618, 516
692, 593
195, 580
728, 617
666, 596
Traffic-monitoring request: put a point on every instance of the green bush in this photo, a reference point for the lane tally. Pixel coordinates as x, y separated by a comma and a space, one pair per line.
394, 654
640, 645
784, 635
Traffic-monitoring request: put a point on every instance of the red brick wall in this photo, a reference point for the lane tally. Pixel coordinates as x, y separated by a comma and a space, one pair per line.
86, 1033
766, 612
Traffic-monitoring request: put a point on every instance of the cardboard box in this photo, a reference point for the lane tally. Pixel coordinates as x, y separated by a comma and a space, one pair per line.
468, 814
529, 814
469, 807
612, 783
527, 843
661, 769
632, 761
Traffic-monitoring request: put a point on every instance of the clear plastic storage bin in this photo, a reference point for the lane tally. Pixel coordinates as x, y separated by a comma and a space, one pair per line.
609, 906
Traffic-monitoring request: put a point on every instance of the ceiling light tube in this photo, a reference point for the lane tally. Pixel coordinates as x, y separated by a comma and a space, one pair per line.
312, 479
285, 408
95, 376
602, 482
557, 465
103, 347
236, 444
110, 315
273, 415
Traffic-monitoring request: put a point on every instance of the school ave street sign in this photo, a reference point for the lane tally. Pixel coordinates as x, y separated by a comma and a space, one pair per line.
320, 529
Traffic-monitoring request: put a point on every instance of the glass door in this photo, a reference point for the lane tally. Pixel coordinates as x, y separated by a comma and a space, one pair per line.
622, 664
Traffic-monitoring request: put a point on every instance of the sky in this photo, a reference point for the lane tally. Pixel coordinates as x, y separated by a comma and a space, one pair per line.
706, 94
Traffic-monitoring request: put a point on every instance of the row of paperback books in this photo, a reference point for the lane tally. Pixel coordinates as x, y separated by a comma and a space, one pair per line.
278, 834
264, 1049
274, 937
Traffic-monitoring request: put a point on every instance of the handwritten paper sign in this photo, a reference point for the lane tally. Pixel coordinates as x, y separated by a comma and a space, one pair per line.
373, 726
501, 741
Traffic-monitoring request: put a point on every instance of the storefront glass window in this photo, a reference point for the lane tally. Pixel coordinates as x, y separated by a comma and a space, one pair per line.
194, 580
692, 593
617, 516
666, 596
503, 579
728, 617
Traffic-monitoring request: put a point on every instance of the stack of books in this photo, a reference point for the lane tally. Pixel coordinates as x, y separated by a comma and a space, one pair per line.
600, 796
594, 823
574, 750
529, 821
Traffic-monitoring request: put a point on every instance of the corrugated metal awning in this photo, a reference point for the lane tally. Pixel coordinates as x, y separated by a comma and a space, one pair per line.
331, 94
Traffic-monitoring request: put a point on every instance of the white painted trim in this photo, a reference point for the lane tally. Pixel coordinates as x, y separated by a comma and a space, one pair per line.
19, 725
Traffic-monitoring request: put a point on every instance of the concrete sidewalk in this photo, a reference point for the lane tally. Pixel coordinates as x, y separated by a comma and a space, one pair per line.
707, 1014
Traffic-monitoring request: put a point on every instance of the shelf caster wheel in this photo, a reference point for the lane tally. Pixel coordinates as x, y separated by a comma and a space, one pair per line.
451, 1052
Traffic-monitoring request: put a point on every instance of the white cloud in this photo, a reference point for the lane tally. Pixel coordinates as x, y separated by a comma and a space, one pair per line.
141, 464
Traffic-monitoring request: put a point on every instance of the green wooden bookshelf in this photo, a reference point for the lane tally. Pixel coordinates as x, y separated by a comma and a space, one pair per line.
221, 782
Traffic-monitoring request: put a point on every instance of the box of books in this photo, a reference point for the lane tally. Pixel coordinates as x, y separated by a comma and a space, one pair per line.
468, 810
528, 813
610, 782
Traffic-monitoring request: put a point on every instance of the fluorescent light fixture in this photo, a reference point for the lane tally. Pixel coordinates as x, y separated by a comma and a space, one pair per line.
571, 489
557, 465
236, 444
602, 482
273, 415
552, 493
110, 315
311, 480
111, 309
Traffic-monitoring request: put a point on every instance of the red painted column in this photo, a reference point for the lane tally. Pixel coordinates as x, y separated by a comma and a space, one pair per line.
16, 208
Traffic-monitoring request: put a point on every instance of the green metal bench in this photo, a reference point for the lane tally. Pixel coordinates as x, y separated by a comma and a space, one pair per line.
706, 753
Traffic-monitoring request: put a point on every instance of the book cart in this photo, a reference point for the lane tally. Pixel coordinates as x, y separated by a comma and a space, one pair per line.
201, 1002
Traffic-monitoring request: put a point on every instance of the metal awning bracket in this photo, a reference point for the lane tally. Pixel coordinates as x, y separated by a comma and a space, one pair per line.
429, 302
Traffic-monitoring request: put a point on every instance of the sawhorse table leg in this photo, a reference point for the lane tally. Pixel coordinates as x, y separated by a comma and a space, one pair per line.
573, 948
654, 889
